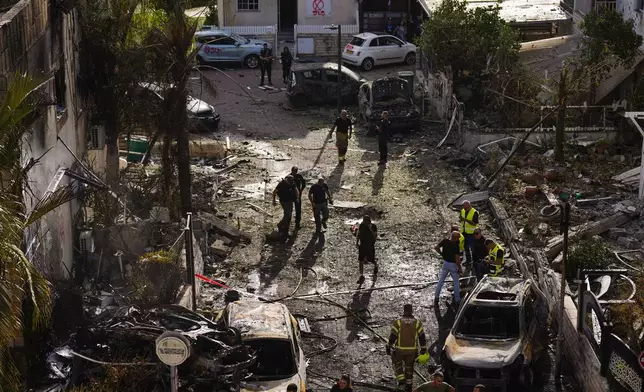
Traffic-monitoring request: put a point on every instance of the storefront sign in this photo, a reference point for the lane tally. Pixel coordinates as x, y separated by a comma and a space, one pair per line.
318, 7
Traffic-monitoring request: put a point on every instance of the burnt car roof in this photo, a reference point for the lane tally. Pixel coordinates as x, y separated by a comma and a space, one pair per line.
328, 65
500, 290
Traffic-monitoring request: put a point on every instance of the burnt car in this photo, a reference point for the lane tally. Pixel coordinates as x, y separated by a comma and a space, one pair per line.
317, 83
499, 335
392, 95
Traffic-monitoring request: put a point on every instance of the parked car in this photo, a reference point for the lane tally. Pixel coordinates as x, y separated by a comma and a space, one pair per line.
274, 334
392, 95
370, 49
499, 333
201, 116
317, 83
216, 45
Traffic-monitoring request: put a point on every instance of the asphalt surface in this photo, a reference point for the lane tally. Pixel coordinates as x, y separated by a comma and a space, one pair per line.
407, 200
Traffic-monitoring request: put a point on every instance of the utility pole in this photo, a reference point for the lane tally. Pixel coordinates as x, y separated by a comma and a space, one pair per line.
565, 223
339, 69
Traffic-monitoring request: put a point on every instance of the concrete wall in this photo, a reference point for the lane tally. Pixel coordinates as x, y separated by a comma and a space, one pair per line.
229, 15
342, 12
326, 45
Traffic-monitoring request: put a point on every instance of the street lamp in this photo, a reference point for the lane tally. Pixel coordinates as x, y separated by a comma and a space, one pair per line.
339, 29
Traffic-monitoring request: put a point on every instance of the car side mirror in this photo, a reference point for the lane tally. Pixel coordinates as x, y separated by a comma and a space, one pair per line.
237, 44
399, 45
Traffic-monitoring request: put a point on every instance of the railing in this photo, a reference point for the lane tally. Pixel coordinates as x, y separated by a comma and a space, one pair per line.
324, 29
252, 30
605, 5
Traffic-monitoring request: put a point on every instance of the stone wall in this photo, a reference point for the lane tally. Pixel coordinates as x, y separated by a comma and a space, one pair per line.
325, 45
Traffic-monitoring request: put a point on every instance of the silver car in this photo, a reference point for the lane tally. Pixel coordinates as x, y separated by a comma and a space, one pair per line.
216, 45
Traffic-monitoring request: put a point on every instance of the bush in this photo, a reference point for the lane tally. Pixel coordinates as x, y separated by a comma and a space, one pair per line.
587, 254
157, 278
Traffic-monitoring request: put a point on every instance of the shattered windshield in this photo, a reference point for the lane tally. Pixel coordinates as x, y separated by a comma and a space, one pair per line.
389, 90
275, 360
489, 322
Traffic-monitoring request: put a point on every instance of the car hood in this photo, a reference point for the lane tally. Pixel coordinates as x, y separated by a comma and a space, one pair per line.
271, 385
197, 106
486, 354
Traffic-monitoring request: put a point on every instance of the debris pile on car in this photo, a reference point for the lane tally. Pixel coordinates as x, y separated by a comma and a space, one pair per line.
125, 337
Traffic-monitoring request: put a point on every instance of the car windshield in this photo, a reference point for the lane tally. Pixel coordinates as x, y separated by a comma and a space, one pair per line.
239, 38
489, 322
389, 90
357, 41
275, 359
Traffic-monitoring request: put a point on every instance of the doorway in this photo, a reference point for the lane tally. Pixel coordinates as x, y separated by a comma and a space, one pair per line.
287, 14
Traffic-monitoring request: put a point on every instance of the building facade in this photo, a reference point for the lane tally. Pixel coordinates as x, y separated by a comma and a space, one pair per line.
40, 38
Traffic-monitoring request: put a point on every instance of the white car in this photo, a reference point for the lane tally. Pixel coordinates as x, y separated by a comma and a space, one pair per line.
369, 49
274, 335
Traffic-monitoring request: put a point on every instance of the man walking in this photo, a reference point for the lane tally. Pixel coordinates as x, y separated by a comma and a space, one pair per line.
320, 198
449, 250
300, 184
366, 244
383, 137
407, 334
343, 127
266, 63
287, 194
469, 219
436, 385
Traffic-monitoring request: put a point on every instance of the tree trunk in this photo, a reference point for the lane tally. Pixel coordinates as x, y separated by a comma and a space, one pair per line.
112, 155
183, 163
560, 135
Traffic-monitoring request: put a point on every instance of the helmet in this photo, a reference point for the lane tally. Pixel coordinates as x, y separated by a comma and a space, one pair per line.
423, 358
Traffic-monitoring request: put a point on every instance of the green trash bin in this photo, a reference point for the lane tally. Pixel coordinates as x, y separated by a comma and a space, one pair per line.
137, 147
409, 77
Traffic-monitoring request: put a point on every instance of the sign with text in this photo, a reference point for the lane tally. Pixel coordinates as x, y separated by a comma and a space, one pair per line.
172, 348
318, 7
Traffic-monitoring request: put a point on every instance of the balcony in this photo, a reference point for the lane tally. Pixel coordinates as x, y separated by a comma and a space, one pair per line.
605, 5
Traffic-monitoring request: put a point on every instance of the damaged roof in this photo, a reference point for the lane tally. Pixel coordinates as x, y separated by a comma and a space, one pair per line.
259, 320
514, 11
500, 290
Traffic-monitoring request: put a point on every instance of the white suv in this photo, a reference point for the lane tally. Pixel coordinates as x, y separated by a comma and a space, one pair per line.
369, 49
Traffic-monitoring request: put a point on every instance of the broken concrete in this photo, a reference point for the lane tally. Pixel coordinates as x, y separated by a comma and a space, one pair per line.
221, 227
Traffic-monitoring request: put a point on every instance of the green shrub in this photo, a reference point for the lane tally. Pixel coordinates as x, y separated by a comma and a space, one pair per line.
587, 254
157, 278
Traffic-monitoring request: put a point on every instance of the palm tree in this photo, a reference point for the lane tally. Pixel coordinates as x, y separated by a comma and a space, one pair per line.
20, 282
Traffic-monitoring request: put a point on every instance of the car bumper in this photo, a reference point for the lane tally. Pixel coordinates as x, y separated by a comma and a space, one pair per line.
351, 59
210, 122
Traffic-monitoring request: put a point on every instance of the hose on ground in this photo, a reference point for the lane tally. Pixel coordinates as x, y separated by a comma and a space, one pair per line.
322, 350
294, 291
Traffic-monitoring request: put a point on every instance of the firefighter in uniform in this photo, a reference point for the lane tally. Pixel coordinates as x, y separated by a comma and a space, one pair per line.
469, 219
407, 334
496, 258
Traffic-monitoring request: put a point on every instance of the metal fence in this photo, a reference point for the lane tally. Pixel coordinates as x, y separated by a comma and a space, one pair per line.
324, 29
252, 30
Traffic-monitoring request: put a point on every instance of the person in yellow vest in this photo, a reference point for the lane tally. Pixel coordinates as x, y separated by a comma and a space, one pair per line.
469, 219
461, 240
496, 257
407, 338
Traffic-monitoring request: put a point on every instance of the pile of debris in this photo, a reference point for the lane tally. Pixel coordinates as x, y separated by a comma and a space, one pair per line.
125, 336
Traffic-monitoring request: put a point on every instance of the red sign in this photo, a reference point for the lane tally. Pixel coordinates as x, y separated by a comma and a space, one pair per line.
211, 50
641, 359
318, 7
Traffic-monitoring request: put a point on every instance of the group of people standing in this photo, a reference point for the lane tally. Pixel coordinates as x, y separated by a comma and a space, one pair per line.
343, 128
266, 58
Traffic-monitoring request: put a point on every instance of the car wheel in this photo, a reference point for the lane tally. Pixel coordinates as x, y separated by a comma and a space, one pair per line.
367, 64
527, 377
410, 58
300, 101
252, 61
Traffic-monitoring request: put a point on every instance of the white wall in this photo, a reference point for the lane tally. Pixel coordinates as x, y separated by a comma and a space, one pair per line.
342, 12
56, 232
229, 16
628, 8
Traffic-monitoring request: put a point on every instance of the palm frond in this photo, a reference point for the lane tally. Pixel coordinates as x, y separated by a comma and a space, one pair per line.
50, 202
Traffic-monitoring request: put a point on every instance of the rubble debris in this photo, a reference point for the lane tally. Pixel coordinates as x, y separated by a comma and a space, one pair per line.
510, 235
615, 233
584, 202
589, 229
259, 209
628, 242
531, 190
219, 226
220, 248
474, 198
550, 212
348, 204
627, 174
476, 178
219, 360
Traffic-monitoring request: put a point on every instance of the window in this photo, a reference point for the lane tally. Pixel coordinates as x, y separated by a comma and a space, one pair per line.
332, 76
247, 5
490, 322
60, 89
374, 42
275, 359
389, 41
209, 39
314, 74
225, 41
356, 41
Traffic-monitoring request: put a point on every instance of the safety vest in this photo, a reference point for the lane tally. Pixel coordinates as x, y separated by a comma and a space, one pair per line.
407, 329
496, 267
466, 227
461, 244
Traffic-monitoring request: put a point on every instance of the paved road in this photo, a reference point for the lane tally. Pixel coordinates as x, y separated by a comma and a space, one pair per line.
411, 215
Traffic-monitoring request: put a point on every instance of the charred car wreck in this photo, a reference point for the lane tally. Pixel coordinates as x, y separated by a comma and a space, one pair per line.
127, 335
392, 95
499, 335
317, 83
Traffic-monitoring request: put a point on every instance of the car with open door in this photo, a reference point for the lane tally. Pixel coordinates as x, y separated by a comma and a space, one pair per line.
317, 83
273, 334
499, 334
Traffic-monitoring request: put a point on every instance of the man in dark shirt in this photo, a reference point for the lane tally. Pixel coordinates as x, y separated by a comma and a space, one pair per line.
383, 137
266, 63
319, 196
366, 244
479, 253
450, 252
343, 128
300, 184
287, 194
